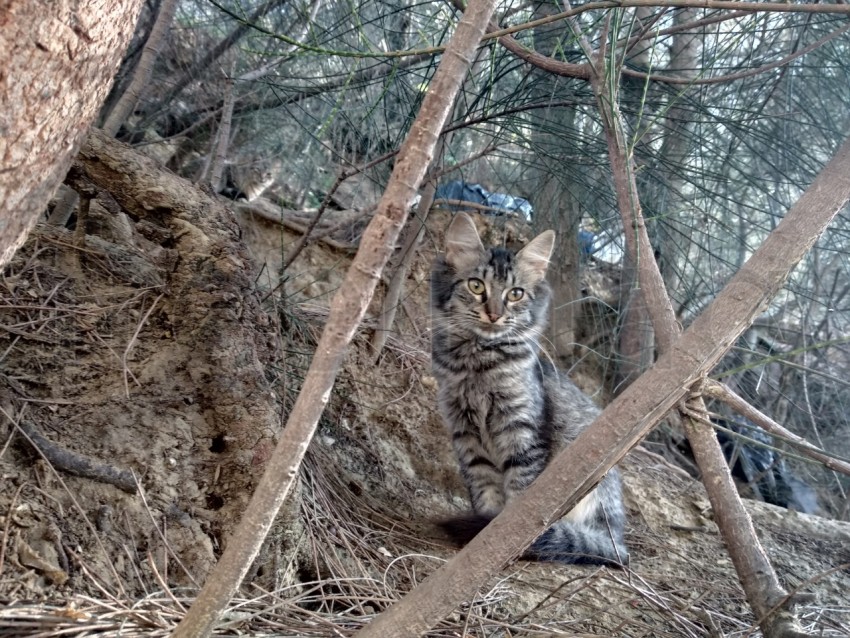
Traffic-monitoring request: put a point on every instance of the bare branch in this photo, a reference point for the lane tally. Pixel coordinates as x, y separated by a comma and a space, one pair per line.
223, 138
569, 69
305, 238
722, 393
749, 7
670, 79
347, 310
143, 71
238, 32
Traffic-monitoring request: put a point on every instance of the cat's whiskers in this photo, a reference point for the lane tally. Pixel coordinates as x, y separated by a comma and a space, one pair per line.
541, 348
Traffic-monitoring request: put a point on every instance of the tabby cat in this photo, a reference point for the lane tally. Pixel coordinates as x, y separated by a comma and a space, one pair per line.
508, 409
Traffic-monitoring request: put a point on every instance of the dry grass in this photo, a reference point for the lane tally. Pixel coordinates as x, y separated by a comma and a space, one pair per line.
368, 560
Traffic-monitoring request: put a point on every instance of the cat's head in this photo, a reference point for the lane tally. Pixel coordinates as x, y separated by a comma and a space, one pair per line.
490, 292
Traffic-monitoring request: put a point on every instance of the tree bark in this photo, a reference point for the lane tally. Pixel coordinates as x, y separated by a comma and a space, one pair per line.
347, 310
128, 100
58, 61
629, 418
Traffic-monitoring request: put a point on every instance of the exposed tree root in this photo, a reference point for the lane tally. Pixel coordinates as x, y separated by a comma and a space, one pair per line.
77, 464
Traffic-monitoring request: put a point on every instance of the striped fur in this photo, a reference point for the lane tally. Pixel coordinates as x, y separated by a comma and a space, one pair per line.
507, 408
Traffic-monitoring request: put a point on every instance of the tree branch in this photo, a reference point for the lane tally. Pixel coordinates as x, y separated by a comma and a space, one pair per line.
143, 71
347, 310
219, 153
414, 232
764, 593
723, 393
196, 70
670, 79
583, 71
730, 5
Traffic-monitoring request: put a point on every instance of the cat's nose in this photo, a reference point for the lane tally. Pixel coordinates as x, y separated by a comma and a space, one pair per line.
493, 316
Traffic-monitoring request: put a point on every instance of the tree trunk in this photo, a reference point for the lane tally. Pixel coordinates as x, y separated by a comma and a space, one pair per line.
636, 339
669, 203
660, 192
58, 66
119, 113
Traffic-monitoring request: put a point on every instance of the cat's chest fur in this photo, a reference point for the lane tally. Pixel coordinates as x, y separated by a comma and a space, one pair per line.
478, 371
485, 388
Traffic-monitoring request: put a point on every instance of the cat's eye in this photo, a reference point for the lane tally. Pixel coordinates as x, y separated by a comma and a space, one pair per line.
515, 294
476, 286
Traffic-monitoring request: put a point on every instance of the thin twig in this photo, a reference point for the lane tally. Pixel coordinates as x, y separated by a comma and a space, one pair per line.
162, 537
302, 242
163, 584
132, 341
739, 404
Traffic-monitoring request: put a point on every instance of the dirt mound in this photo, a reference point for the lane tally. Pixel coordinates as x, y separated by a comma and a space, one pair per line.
152, 423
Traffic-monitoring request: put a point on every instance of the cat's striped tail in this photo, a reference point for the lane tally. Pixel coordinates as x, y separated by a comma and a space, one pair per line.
563, 542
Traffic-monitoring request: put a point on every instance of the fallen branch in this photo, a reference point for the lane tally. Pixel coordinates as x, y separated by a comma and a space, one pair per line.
75, 463
298, 228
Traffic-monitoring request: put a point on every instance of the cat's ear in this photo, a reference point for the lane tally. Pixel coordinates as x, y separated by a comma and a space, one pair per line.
533, 260
463, 245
